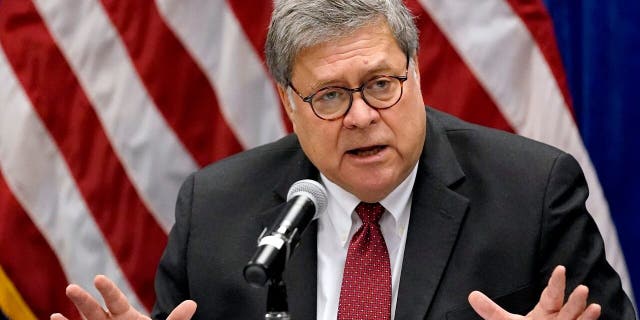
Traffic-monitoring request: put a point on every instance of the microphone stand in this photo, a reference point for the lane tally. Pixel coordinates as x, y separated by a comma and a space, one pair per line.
277, 306
258, 276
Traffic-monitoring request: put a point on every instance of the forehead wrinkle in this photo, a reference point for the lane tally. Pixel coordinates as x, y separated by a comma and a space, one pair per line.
376, 65
371, 53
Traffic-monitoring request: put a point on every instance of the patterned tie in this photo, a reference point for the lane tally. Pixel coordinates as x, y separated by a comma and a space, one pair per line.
366, 283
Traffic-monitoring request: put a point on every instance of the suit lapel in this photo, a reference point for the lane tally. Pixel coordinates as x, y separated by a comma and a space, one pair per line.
436, 215
300, 274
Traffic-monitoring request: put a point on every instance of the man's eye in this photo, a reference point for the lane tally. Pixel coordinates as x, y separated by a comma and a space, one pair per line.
379, 84
330, 95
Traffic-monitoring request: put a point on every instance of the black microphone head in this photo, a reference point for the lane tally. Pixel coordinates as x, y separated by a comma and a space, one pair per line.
311, 189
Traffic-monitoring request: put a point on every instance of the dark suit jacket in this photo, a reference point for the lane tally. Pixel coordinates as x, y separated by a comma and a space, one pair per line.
491, 211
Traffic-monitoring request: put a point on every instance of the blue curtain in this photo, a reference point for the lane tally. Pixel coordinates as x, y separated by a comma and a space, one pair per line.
600, 46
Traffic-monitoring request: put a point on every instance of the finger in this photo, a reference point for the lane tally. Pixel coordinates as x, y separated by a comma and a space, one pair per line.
591, 313
183, 311
552, 297
488, 309
57, 316
114, 299
576, 303
88, 307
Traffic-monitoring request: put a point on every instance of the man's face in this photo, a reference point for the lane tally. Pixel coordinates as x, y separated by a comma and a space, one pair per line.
367, 152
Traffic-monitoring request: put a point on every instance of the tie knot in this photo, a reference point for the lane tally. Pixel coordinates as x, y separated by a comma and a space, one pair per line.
369, 212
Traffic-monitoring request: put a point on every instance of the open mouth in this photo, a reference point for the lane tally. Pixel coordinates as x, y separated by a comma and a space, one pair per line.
366, 151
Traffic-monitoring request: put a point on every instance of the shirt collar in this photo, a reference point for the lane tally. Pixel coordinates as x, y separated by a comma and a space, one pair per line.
342, 204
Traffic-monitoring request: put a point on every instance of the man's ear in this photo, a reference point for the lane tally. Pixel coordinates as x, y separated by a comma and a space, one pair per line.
286, 102
416, 67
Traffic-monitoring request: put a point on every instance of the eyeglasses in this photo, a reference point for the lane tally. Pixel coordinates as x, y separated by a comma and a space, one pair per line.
333, 102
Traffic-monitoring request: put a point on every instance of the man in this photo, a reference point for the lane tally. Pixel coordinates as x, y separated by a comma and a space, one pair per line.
457, 207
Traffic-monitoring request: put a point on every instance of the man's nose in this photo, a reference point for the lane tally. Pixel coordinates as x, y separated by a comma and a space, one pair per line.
360, 114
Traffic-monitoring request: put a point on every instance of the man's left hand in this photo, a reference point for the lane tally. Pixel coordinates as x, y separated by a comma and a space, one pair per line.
550, 306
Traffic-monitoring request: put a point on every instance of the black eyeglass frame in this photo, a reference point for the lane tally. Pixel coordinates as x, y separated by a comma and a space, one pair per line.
308, 99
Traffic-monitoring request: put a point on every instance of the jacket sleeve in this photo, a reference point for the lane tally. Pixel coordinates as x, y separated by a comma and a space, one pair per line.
171, 283
570, 237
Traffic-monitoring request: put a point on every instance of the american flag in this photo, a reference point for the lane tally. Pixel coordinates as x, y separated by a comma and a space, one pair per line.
107, 105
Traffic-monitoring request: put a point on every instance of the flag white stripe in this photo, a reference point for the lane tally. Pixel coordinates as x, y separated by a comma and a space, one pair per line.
40, 180
248, 99
153, 157
498, 48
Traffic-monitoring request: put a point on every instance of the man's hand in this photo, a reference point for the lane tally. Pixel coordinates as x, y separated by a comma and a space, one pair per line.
550, 306
117, 305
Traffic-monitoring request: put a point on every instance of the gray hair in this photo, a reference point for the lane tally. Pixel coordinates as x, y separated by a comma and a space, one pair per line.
299, 24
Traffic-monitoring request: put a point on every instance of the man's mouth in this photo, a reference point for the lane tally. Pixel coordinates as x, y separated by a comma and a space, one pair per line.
366, 151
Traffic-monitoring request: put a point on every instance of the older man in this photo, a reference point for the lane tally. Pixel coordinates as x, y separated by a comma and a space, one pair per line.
423, 210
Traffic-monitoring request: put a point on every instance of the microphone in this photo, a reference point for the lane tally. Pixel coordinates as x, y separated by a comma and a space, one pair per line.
306, 200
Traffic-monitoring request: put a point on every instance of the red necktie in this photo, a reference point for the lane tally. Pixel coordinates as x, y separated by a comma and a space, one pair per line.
366, 283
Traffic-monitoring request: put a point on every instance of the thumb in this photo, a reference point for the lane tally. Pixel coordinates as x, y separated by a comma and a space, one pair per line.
488, 309
184, 311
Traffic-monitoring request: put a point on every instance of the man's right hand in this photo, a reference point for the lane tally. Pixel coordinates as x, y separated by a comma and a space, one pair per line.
117, 305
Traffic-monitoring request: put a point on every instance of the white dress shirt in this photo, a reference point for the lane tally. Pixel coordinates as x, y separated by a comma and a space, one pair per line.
340, 223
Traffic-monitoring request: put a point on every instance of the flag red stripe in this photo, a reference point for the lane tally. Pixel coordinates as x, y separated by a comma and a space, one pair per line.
536, 17
69, 117
254, 20
28, 260
191, 110
447, 83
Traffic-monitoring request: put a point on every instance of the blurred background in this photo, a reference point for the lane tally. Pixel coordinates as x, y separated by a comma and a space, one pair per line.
107, 105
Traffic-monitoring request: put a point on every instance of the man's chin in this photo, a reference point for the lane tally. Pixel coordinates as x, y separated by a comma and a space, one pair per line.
371, 191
